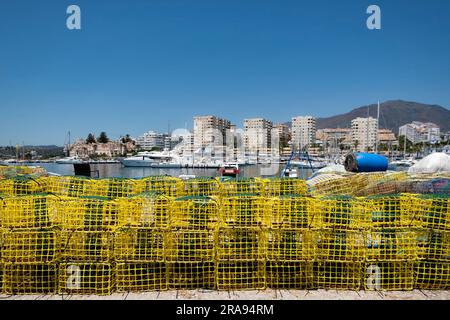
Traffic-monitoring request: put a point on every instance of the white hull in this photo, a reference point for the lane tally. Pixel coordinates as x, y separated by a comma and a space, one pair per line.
68, 161
149, 164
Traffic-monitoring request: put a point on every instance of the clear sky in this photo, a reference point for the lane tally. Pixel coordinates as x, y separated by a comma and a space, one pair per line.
136, 64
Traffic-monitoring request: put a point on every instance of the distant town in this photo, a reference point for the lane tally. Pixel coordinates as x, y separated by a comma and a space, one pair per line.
257, 134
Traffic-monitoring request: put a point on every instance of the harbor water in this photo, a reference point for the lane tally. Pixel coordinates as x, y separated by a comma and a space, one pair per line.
117, 170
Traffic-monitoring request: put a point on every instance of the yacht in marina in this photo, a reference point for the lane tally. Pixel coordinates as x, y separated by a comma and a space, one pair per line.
153, 160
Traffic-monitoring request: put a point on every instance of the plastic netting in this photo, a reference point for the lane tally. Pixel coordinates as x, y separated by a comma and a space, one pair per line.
244, 211
284, 186
86, 278
77, 235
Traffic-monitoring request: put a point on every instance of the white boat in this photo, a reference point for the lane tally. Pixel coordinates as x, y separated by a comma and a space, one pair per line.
69, 160
290, 173
152, 159
315, 164
403, 163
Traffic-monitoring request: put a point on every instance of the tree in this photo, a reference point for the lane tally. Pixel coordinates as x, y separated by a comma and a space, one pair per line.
401, 144
90, 138
103, 138
126, 139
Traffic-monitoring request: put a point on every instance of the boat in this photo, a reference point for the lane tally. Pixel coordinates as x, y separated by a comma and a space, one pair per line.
290, 173
152, 159
229, 170
314, 164
69, 160
403, 163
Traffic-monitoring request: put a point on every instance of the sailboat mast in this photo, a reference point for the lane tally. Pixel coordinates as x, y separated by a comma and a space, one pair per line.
378, 127
367, 129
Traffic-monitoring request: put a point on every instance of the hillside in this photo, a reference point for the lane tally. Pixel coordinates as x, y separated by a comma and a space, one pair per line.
393, 114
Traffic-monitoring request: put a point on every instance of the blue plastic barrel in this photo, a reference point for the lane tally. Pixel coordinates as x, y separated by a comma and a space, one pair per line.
365, 162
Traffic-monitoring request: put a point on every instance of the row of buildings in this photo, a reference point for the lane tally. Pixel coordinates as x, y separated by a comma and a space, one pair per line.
260, 135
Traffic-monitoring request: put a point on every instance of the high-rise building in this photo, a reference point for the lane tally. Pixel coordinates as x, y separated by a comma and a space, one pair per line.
418, 132
364, 133
151, 140
210, 131
257, 134
284, 133
303, 131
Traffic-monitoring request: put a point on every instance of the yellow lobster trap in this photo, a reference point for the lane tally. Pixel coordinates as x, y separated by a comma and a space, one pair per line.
139, 245
338, 212
161, 185
289, 212
69, 186
190, 245
113, 188
389, 211
379, 183
22, 185
1, 277
201, 187
389, 275
88, 213
284, 186
433, 245
30, 246
194, 212
32, 211
289, 245
296, 275
240, 275
391, 245
336, 275
244, 211
432, 275
338, 246
431, 211
7, 172
241, 244
86, 246
235, 187
30, 278
141, 276
144, 211
86, 278
330, 184
190, 275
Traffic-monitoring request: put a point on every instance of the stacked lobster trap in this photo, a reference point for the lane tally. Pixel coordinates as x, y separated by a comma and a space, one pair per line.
289, 243
241, 243
72, 235
87, 262
29, 244
140, 242
190, 253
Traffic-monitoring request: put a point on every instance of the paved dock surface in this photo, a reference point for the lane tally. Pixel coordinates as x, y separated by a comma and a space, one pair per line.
250, 295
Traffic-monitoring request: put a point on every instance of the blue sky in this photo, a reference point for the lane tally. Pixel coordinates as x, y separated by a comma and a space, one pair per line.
137, 64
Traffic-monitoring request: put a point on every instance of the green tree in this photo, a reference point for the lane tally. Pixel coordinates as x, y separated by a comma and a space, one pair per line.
90, 138
126, 139
103, 138
401, 144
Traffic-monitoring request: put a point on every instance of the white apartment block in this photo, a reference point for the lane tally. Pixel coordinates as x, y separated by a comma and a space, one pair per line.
151, 139
210, 131
303, 131
418, 132
364, 133
283, 131
257, 134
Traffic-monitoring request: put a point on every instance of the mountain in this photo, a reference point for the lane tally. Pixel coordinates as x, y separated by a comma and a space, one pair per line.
393, 114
